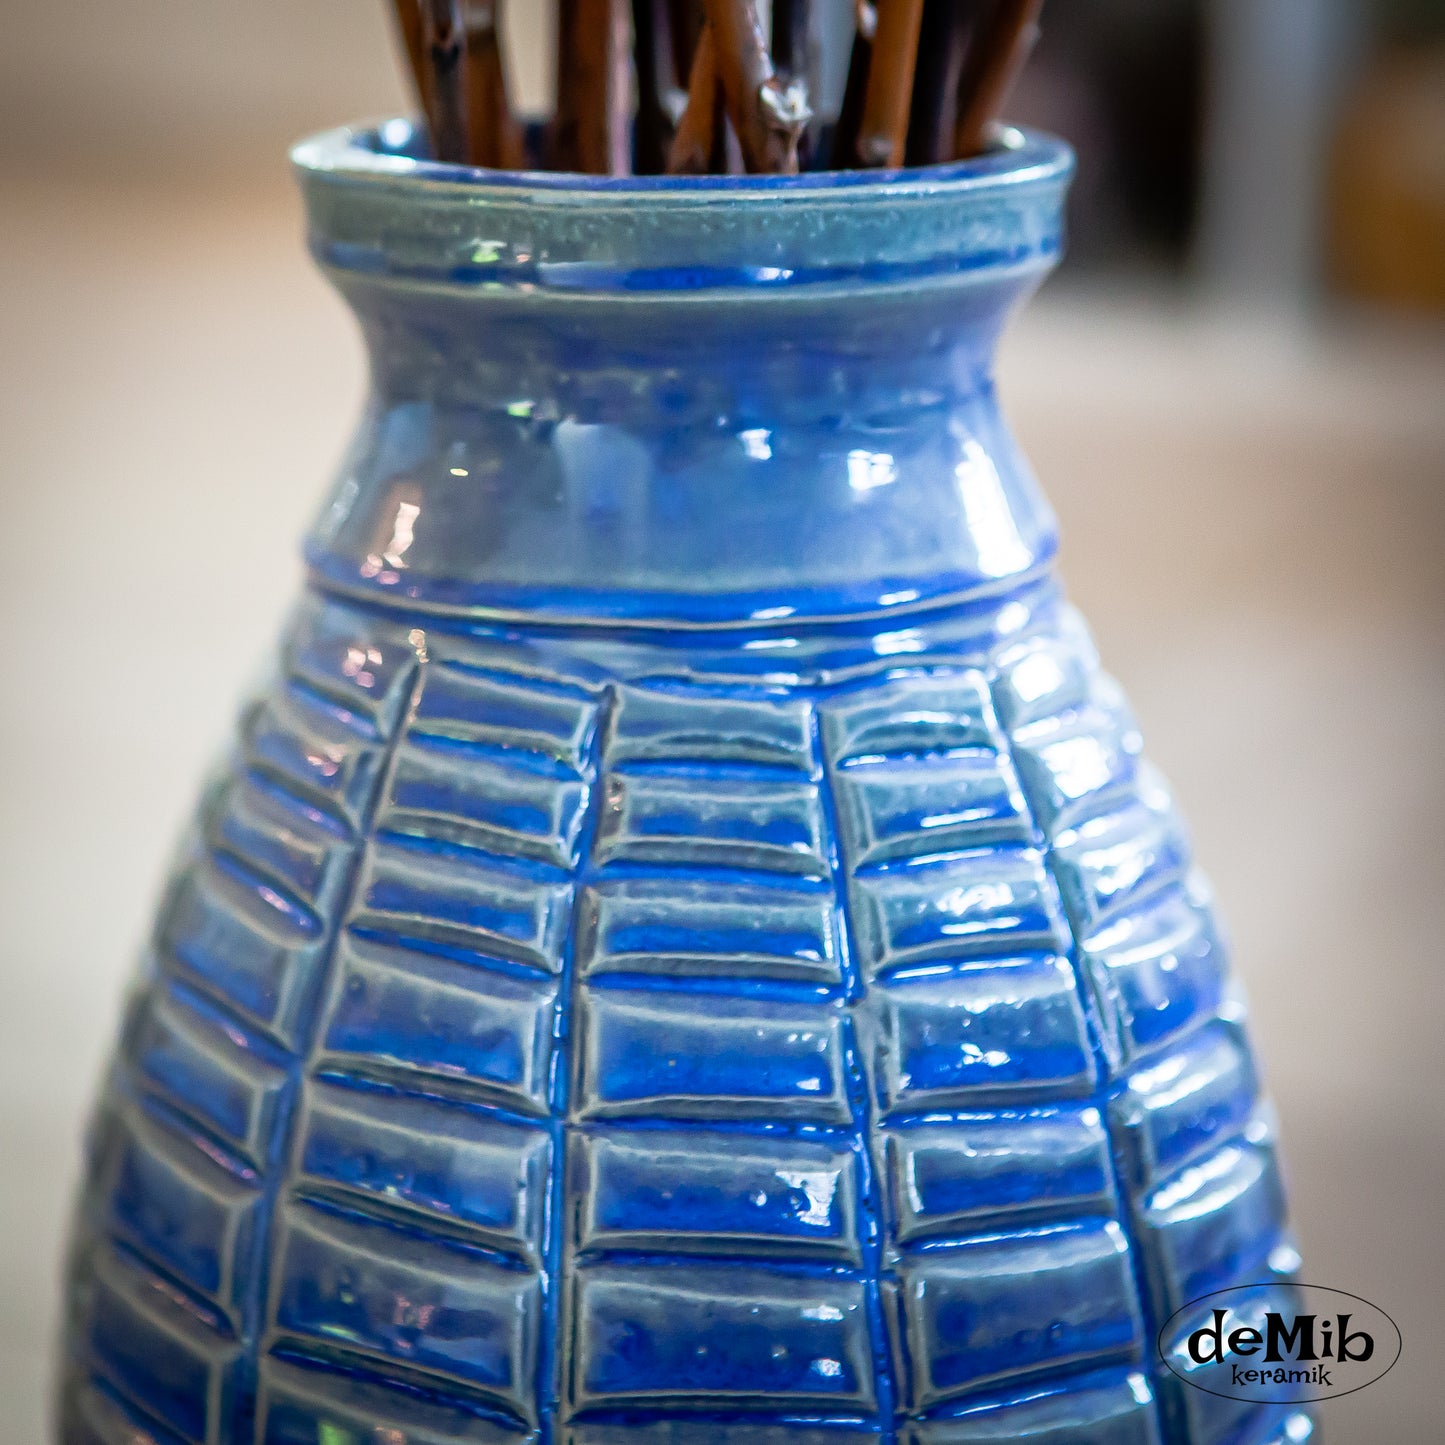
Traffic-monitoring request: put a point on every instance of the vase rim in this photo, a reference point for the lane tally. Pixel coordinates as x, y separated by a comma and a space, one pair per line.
381, 214
390, 151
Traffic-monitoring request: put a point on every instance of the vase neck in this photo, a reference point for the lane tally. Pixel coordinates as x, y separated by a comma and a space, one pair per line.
571, 421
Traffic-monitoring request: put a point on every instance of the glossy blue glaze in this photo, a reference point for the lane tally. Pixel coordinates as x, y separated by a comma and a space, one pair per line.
685, 949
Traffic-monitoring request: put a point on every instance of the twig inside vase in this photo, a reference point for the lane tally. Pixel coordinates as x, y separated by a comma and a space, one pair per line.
657, 85
883, 131
795, 54
412, 27
941, 40
844, 154
592, 129
767, 115
697, 147
494, 138
926, 80
999, 51
444, 46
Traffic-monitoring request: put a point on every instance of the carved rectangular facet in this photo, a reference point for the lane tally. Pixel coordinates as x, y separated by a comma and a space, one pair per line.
955, 1177
466, 797
93, 1416
1045, 676
464, 900
434, 1165
1101, 1408
911, 807
718, 821
641, 1430
400, 1300
1214, 1225
1183, 1104
159, 1351
669, 1336
654, 726
476, 1031
922, 713
306, 859
502, 712
1117, 861
988, 901
360, 663
710, 927
309, 1405
972, 1313
243, 945
692, 1191
209, 1074
308, 749
1155, 972
1008, 1028
183, 1212
689, 1055
1072, 766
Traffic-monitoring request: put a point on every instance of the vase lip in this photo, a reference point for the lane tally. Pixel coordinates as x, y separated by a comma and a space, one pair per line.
381, 215
391, 151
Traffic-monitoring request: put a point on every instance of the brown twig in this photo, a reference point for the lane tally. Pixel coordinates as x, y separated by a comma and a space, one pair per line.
767, 115
946, 24
665, 35
1000, 50
699, 140
685, 20
409, 23
795, 53
850, 116
591, 131
494, 138
883, 133
444, 47
656, 84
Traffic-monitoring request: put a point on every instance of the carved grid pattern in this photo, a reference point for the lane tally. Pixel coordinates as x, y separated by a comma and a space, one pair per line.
530, 1058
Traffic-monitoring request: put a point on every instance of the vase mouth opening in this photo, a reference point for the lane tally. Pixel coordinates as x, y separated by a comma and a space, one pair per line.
380, 212
396, 150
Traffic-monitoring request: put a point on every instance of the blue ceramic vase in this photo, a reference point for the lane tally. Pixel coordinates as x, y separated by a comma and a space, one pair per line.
686, 948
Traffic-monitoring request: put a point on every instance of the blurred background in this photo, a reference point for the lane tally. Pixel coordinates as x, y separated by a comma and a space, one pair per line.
1234, 392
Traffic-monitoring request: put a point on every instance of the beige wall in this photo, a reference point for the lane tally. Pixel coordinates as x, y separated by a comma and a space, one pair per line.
163, 80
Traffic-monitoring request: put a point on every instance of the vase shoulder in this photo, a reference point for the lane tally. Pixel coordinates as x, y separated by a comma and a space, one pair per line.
607, 1038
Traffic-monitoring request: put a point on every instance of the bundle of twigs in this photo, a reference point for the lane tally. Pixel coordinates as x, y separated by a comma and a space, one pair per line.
696, 86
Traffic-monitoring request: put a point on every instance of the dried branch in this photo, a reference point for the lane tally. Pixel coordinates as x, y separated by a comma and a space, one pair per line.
698, 144
494, 138
883, 133
1000, 50
946, 24
665, 35
926, 78
795, 54
767, 115
656, 84
792, 42
850, 117
444, 45
408, 15
591, 132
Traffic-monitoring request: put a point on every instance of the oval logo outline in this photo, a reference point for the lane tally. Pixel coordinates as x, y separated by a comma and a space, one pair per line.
1295, 1285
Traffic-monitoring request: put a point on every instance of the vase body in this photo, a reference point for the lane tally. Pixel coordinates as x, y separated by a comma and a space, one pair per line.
686, 948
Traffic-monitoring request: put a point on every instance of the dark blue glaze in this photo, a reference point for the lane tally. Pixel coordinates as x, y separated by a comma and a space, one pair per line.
686, 948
